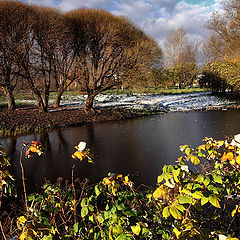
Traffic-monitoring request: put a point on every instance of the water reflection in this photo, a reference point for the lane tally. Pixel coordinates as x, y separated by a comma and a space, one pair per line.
138, 147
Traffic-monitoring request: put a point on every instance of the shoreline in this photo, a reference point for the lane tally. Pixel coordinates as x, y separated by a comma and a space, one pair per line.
28, 120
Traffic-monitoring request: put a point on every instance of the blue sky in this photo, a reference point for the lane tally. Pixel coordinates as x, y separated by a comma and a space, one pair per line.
155, 17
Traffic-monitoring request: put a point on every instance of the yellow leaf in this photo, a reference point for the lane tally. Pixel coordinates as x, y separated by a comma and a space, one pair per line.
136, 229
159, 192
214, 201
238, 159
21, 221
202, 147
78, 155
175, 212
177, 233
166, 212
230, 156
107, 181
182, 148
195, 160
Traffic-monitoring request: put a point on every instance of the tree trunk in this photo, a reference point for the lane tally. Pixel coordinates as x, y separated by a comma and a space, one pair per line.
89, 103
46, 98
10, 99
41, 106
58, 98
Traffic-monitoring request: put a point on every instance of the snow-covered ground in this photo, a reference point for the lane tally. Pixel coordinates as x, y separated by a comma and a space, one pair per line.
167, 103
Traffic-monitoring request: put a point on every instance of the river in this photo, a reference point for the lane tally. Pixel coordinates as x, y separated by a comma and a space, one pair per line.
139, 147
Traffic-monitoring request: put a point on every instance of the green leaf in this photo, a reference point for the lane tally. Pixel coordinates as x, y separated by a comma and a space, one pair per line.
197, 195
136, 229
117, 230
196, 186
176, 174
160, 178
188, 151
185, 199
214, 201
100, 218
167, 176
204, 200
199, 178
97, 191
217, 179
84, 211
206, 181
76, 227
124, 236
180, 207
212, 188
83, 202
166, 212
175, 213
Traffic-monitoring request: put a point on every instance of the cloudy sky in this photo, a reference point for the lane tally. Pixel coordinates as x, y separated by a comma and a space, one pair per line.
155, 17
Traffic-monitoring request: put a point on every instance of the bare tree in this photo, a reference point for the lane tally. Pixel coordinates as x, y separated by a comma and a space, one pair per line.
213, 48
11, 30
225, 29
65, 60
108, 48
173, 46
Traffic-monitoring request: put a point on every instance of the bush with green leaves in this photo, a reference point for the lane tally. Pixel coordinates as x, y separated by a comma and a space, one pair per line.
198, 198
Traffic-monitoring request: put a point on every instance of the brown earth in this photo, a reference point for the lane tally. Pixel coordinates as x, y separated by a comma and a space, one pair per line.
28, 119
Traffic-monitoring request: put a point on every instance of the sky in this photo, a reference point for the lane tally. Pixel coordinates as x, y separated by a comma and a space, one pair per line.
155, 17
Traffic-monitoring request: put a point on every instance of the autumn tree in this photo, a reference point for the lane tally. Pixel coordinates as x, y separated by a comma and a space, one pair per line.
180, 58
22, 44
109, 49
225, 27
224, 57
173, 46
11, 32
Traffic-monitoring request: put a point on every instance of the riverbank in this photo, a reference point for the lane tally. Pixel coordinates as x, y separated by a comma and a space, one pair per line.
27, 120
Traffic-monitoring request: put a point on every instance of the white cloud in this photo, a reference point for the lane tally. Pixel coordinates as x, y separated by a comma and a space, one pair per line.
155, 17
67, 5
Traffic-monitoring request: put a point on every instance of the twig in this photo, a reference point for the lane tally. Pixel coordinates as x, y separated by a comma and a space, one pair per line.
2, 231
75, 196
98, 225
23, 181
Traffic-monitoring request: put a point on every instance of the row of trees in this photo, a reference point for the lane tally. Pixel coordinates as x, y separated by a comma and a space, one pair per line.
180, 59
50, 50
221, 49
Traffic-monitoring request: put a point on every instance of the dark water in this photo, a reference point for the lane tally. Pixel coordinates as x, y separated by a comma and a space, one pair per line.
138, 147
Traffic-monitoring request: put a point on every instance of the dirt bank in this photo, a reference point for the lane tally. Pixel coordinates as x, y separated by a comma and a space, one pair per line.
28, 119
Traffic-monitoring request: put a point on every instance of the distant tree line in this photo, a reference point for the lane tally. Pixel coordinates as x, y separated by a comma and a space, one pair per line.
180, 59
44, 49
221, 48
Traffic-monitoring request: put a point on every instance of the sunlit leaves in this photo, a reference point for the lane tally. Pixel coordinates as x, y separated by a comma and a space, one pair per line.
185, 199
83, 153
195, 160
166, 212
136, 229
214, 201
34, 148
174, 211
160, 192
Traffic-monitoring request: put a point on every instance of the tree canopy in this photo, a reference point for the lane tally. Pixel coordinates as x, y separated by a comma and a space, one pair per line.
50, 50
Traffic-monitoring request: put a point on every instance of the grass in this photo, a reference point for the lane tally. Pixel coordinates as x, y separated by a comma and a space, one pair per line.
22, 96
151, 90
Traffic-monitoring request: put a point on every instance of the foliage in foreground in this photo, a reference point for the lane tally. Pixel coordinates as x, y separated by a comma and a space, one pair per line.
200, 204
